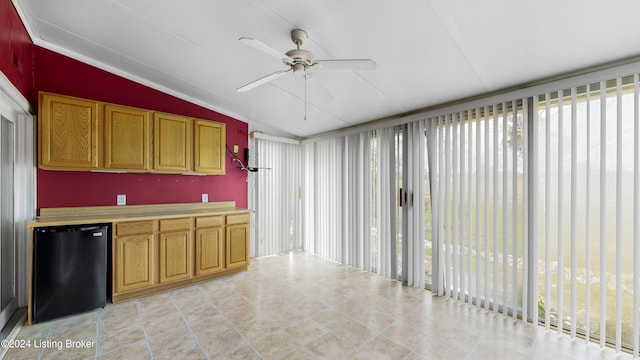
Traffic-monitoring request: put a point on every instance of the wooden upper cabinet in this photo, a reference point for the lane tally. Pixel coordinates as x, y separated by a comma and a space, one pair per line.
127, 134
209, 147
69, 133
80, 134
171, 143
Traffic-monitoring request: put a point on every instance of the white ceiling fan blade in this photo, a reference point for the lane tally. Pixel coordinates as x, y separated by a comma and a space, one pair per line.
262, 80
257, 44
347, 64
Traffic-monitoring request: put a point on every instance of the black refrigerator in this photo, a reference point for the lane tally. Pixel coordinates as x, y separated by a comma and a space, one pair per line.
69, 270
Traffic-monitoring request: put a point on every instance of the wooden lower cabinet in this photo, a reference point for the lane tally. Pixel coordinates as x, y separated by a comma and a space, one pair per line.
237, 246
175, 256
156, 255
134, 265
209, 251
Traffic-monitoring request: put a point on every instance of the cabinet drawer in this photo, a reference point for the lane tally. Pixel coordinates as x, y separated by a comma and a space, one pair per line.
175, 224
209, 221
131, 228
237, 219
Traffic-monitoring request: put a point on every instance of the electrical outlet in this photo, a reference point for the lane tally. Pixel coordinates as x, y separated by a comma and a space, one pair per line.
205, 197
121, 199
235, 149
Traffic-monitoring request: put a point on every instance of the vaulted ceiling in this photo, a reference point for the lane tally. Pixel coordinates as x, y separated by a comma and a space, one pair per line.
427, 51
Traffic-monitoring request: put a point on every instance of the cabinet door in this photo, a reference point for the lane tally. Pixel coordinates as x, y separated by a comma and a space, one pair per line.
209, 250
237, 246
175, 256
171, 143
68, 133
126, 135
209, 147
133, 262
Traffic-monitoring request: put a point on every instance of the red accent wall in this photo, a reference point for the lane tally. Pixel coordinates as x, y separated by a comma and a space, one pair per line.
60, 74
16, 50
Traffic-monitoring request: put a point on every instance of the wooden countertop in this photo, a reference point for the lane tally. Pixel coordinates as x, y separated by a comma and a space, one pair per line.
110, 214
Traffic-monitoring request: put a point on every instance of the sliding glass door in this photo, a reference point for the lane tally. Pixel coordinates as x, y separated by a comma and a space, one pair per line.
8, 248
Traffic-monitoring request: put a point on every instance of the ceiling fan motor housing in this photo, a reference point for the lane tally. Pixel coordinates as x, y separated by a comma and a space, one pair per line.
301, 59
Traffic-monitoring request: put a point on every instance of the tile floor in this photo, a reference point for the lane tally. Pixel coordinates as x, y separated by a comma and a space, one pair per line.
298, 306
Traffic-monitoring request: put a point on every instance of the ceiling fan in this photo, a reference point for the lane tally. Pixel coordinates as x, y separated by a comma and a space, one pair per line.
299, 61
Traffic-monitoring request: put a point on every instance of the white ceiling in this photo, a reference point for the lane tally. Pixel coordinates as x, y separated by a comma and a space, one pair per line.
427, 51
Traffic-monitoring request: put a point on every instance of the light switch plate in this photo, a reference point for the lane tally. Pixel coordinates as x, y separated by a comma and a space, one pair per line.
121, 199
205, 197
235, 149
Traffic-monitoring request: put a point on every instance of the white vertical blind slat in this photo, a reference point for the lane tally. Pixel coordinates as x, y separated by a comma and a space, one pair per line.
547, 214
479, 180
560, 233
574, 210
494, 203
636, 217
526, 213
487, 189
470, 181
505, 206
514, 214
455, 202
463, 206
619, 215
603, 213
588, 217
441, 208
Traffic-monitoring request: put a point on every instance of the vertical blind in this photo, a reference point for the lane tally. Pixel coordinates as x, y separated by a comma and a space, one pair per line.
276, 197
337, 199
587, 225
529, 207
480, 203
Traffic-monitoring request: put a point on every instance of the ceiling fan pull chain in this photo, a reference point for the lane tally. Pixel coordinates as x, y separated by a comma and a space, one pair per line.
305, 95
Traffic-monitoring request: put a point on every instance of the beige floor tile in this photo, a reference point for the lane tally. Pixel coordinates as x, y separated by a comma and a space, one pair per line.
231, 302
111, 326
133, 351
158, 310
112, 341
382, 348
331, 319
199, 311
221, 343
162, 323
275, 345
329, 346
301, 353
187, 292
210, 326
354, 333
305, 330
241, 315
405, 335
244, 353
170, 341
257, 328
69, 322
455, 336
435, 349
375, 319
